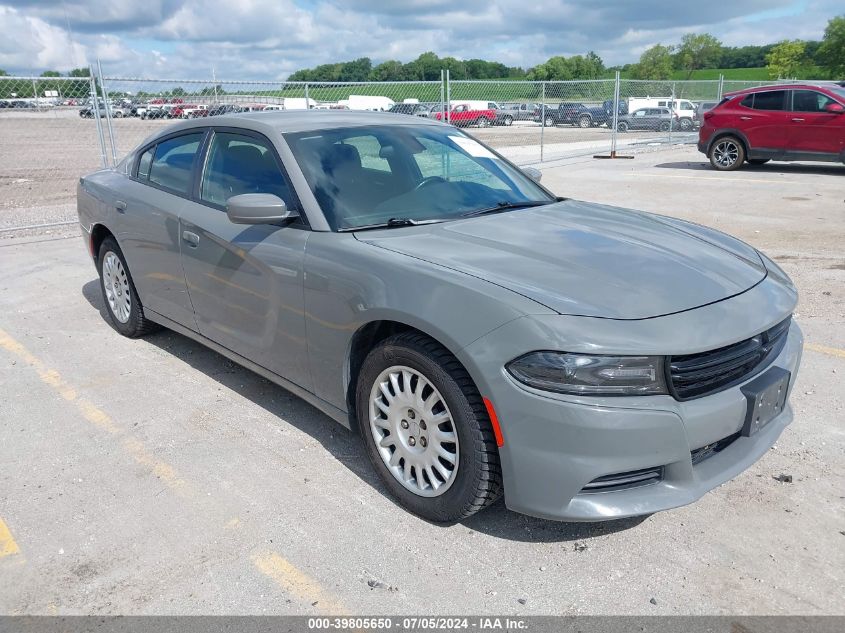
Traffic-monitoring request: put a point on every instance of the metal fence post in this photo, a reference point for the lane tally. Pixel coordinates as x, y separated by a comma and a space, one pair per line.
672, 113
542, 117
615, 119
721, 86
35, 94
107, 106
443, 92
448, 112
307, 102
95, 108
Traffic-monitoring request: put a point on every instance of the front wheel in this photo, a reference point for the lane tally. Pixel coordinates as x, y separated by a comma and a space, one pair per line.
685, 124
585, 121
508, 120
119, 294
549, 122
727, 153
426, 429
622, 126
664, 126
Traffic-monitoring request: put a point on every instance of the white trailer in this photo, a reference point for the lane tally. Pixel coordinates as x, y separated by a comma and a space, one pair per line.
364, 102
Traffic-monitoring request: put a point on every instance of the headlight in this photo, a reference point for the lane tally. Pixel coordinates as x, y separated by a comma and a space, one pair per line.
590, 375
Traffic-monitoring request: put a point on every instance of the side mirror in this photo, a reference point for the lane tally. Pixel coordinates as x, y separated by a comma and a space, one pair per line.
834, 108
258, 208
534, 174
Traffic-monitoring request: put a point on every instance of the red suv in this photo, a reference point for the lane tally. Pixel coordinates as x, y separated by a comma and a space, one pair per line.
786, 122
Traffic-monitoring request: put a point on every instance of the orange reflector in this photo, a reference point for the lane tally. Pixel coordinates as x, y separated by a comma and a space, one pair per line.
494, 420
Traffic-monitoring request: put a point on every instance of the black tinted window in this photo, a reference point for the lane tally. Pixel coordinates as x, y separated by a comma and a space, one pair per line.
748, 101
241, 164
174, 159
809, 101
772, 100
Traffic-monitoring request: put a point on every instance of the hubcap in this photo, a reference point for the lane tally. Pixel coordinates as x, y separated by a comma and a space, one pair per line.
116, 285
414, 431
726, 153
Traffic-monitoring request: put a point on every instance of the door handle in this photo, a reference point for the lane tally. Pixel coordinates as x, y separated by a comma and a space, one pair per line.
797, 120
745, 118
192, 239
120, 205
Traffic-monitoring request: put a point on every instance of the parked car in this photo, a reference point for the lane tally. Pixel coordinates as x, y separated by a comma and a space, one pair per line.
462, 115
481, 334
790, 123
223, 108
662, 119
414, 109
520, 112
116, 112
569, 113
700, 108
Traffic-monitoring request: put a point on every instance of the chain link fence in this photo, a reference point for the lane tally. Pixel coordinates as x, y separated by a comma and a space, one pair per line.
53, 129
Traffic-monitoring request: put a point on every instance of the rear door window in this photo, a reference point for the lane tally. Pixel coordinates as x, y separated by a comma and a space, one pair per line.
174, 161
770, 100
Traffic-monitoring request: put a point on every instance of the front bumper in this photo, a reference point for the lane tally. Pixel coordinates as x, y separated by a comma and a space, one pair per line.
555, 445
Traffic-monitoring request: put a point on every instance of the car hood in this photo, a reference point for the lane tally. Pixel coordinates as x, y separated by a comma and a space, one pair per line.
585, 259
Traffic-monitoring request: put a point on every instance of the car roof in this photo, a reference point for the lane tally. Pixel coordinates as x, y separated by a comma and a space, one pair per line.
286, 121
795, 86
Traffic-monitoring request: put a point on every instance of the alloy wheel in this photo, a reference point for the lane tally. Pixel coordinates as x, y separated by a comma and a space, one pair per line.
414, 431
726, 153
116, 285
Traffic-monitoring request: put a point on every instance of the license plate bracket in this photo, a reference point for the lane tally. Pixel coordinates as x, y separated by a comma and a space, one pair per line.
766, 399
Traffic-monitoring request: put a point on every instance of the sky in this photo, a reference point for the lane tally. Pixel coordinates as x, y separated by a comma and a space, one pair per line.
269, 39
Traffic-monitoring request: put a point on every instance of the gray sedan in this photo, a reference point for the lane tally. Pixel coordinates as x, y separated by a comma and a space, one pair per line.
484, 336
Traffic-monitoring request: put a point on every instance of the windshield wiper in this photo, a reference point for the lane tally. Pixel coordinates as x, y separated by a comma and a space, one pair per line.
507, 206
391, 223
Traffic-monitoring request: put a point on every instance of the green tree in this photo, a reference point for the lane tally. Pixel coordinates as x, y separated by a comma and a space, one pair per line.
80, 72
3, 73
391, 70
787, 59
697, 51
655, 63
831, 53
356, 70
426, 67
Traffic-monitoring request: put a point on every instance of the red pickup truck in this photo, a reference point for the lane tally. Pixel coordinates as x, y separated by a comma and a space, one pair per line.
463, 116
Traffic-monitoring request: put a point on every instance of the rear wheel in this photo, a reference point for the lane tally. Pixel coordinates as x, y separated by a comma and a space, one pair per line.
122, 303
508, 120
550, 121
426, 429
727, 153
664, 126
585, 121
482, 122
622, 126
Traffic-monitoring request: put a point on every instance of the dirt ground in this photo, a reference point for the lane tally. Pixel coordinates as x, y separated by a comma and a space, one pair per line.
155, 477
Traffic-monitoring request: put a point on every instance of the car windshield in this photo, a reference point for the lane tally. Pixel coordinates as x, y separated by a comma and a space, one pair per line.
839, 92
365, 176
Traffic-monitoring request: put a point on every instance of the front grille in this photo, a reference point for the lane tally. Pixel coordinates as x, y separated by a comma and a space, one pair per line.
695, 375
621, 481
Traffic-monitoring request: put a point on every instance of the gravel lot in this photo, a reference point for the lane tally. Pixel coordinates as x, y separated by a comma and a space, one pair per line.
153, 476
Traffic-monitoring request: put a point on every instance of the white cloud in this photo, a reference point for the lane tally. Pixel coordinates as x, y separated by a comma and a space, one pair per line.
271, 38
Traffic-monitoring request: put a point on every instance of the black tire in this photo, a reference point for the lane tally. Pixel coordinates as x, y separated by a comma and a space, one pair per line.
478, 478
550, 121
758, 161
726, 153
482, 121
664, 126
686, 124
508, 120
585, 121
622, 126
136, 324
